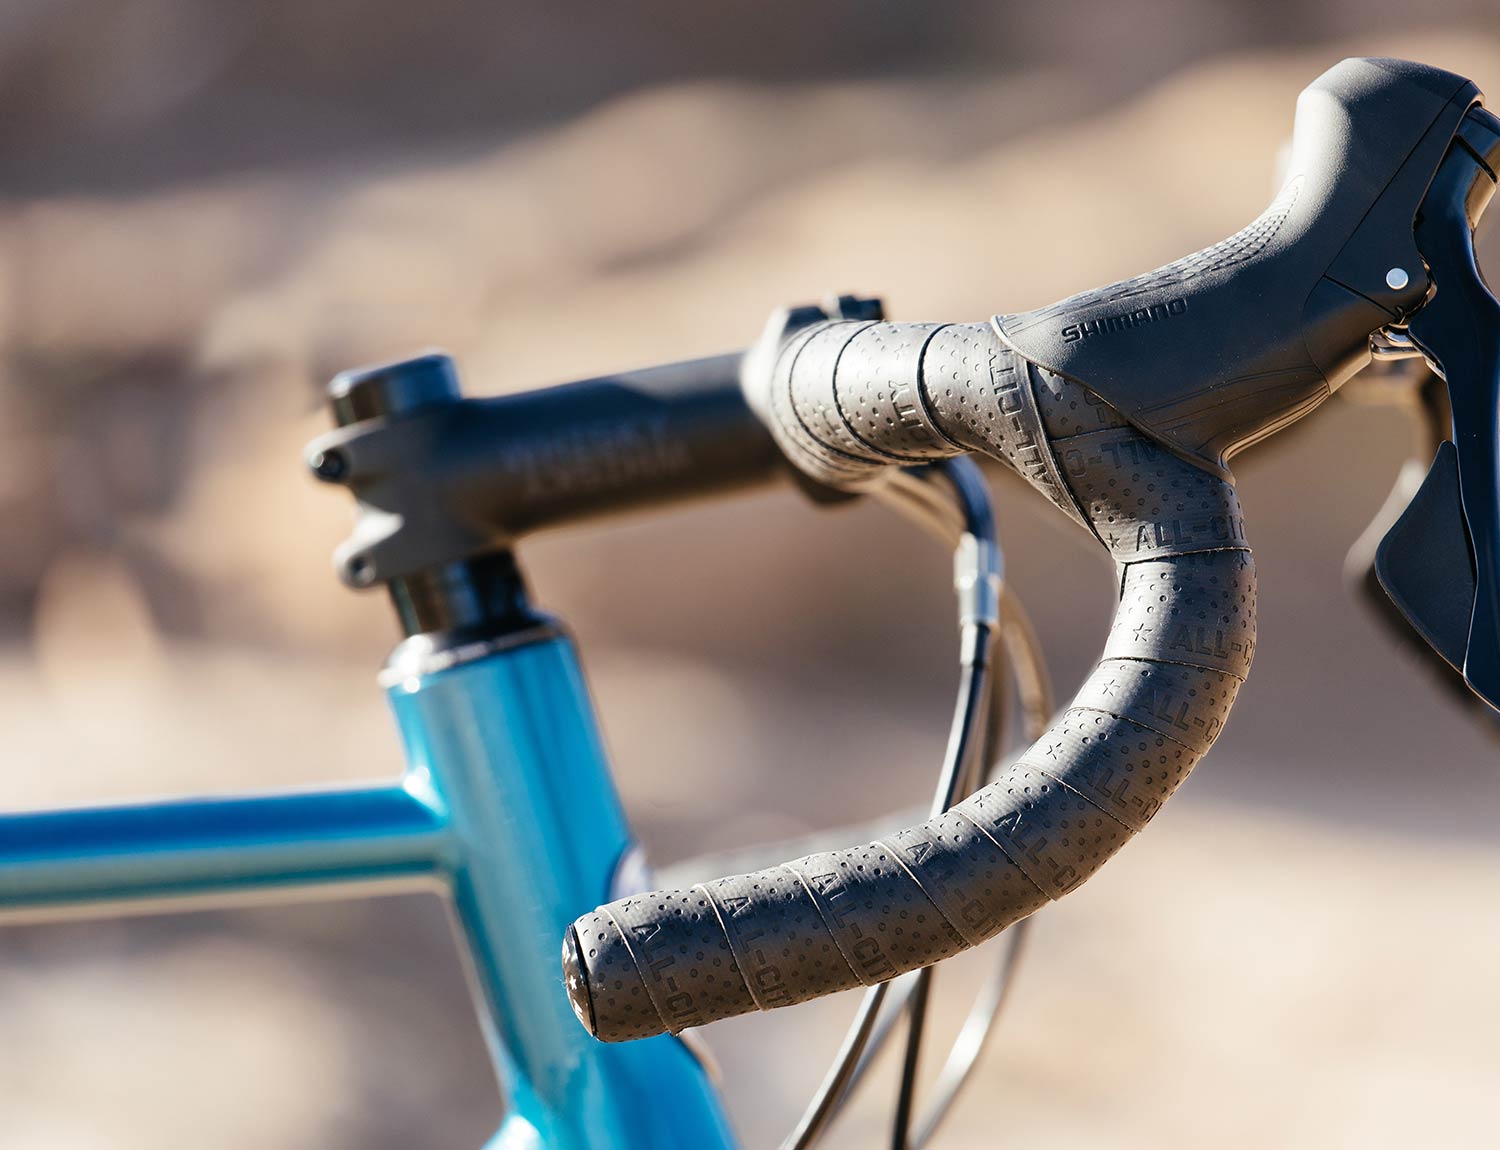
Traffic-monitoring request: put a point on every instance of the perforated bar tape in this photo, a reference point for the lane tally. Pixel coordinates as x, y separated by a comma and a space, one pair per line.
848, 401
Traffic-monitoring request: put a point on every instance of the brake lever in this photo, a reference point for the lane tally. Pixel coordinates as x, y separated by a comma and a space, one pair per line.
1440, 563
1423, 396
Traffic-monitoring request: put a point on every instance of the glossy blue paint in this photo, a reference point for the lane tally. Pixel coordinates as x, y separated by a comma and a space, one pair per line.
511, 742
507, 804
95, 856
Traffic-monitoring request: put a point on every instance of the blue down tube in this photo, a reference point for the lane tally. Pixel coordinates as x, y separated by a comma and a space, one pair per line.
507, 804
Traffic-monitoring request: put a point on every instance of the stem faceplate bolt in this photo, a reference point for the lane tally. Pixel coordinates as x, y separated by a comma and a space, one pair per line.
330, 465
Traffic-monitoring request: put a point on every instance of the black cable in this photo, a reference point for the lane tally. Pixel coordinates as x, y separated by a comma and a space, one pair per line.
906, 1093
966, 755
840, 1076
885, 1005
966, 736
977, 1027
967, 726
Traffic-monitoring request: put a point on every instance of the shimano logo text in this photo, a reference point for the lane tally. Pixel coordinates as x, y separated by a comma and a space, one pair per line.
1124, 321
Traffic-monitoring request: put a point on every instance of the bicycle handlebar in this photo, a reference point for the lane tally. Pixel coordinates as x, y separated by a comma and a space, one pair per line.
1123, 406
1180, 645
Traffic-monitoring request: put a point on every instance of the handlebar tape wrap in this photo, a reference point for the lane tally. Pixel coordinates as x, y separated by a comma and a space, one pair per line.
850, 399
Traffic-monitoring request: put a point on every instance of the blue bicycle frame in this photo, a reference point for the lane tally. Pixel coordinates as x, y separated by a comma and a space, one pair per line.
506, 805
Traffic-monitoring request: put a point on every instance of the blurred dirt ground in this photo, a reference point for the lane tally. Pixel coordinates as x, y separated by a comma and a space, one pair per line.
1300, 955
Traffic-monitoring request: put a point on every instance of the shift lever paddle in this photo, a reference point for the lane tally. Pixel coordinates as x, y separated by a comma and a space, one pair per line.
1440, 563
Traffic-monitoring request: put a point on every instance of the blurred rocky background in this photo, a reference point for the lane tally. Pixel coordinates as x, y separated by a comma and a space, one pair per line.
206, 209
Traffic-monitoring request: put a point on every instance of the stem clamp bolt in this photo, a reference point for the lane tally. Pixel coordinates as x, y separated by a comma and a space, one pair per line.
331, 465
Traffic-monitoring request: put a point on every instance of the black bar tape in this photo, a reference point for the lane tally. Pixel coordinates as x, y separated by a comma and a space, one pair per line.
980, 392
777, 896
808, 427
878, 392
849, 400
